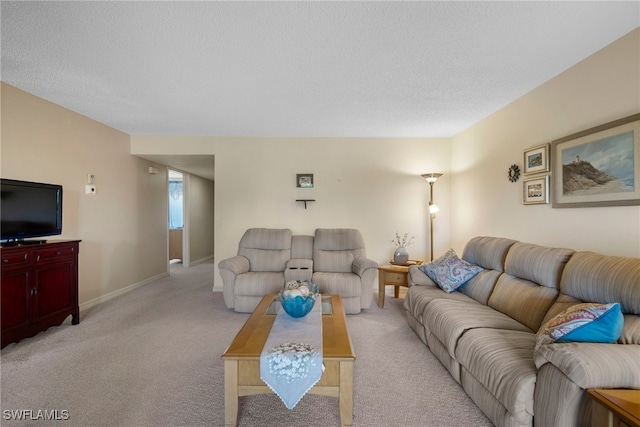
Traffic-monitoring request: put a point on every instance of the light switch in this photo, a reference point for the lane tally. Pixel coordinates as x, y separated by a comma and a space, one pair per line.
90, 189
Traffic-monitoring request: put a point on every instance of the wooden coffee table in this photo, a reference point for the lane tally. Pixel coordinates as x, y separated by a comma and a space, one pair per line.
242, 358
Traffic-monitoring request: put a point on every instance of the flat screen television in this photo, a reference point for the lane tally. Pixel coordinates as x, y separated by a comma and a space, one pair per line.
29, 210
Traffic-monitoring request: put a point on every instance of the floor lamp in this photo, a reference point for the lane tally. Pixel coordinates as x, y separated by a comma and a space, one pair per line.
433, 209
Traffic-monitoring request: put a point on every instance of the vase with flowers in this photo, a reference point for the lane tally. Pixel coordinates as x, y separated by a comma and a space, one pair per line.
401, 255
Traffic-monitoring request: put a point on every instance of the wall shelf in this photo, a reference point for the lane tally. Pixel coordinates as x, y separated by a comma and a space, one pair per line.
305, 201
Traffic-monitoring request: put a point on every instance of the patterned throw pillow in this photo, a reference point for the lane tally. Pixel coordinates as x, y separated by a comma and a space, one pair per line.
588, 322
450, 272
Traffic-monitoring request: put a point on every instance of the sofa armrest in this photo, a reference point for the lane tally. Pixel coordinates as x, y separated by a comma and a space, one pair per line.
594, 365
362, 264
418, 277
236, 265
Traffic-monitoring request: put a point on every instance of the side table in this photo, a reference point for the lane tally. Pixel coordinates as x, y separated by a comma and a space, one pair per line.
392, 275
615, 407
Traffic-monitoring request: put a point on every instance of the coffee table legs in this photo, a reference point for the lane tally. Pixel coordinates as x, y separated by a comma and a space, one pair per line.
345, 399
230, 393
345, 392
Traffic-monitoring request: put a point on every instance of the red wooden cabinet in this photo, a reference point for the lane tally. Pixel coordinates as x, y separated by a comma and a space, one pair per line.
39, 288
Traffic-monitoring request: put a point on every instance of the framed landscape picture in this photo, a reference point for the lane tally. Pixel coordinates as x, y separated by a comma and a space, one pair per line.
536, 159
535, 190
599, 166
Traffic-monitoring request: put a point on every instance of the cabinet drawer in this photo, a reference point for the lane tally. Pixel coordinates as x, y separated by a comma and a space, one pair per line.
15, 258
395, 278
55, 253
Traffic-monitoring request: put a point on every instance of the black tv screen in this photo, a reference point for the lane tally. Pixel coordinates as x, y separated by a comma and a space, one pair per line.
29, 209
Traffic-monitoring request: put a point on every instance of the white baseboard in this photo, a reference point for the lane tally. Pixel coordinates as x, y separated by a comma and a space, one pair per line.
217, 288
104, 298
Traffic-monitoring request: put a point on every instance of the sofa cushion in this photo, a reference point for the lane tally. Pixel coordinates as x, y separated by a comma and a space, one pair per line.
266, 249
592, 277
487, 252
448, 320
525, 301
481, 286
335, 249
419, 296
258, 283
537, 264
450, 272
587, 322
344, 284
502, 361
630, 330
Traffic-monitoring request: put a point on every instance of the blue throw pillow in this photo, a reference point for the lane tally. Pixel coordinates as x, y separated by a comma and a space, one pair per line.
588, 322
450, 272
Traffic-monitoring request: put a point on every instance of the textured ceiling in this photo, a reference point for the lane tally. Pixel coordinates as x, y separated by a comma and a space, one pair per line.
327, 69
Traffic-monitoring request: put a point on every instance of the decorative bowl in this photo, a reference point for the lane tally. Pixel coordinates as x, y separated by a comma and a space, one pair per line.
297, 297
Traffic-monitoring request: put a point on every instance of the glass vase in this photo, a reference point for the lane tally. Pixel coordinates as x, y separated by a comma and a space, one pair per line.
400, 256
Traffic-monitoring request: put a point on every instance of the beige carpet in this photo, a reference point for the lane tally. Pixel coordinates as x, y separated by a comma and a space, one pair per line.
152, 358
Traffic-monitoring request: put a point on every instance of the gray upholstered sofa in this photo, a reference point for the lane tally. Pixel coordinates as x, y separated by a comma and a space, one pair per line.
485, 332
335, 259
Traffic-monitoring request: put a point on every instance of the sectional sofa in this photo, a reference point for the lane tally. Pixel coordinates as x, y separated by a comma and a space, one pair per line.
491, 333
333, 258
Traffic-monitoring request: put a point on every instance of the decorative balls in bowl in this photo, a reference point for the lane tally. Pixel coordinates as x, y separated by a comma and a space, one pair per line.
297, 297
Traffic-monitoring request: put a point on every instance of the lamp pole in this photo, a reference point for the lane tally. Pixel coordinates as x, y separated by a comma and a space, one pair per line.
432, 215
433, 209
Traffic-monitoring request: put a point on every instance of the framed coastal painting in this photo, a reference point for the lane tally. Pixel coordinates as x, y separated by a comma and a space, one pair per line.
536, 159
535, 190
598, 167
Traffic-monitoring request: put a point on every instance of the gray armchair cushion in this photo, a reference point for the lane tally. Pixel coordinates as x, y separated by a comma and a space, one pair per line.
334, 250
266, 249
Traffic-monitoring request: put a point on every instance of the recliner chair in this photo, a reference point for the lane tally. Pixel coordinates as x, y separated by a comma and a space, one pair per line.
340, 266
257, 270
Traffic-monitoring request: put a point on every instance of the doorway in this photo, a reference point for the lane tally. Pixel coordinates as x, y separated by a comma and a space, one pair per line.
176, 217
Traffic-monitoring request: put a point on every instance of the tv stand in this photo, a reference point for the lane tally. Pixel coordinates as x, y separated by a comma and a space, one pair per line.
39, 287
13, 243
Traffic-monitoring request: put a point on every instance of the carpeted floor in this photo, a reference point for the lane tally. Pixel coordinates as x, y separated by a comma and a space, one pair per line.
151, 357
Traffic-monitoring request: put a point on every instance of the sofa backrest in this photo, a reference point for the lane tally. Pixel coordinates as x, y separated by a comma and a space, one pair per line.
334, 249
302, 246
490, 254
591, 277
531, 282
267, 249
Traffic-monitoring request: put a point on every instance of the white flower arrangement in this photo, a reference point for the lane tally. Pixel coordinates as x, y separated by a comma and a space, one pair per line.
291, 360
404, 241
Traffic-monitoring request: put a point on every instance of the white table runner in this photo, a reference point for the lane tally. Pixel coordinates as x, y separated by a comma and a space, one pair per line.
291, 360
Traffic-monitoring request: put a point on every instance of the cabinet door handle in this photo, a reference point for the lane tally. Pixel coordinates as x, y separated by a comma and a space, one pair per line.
58, 253
5, 260
33, 292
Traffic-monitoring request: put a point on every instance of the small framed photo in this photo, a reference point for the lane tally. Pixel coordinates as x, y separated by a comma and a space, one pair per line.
536, 159
304, 180
535, 190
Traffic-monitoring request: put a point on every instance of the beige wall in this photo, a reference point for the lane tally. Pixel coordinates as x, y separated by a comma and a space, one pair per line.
602, 88
118, 226
200, 200
370, 184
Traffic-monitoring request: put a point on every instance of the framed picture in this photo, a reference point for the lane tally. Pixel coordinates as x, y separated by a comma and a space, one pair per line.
535, 190
304, 180
599, 166
536, 159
